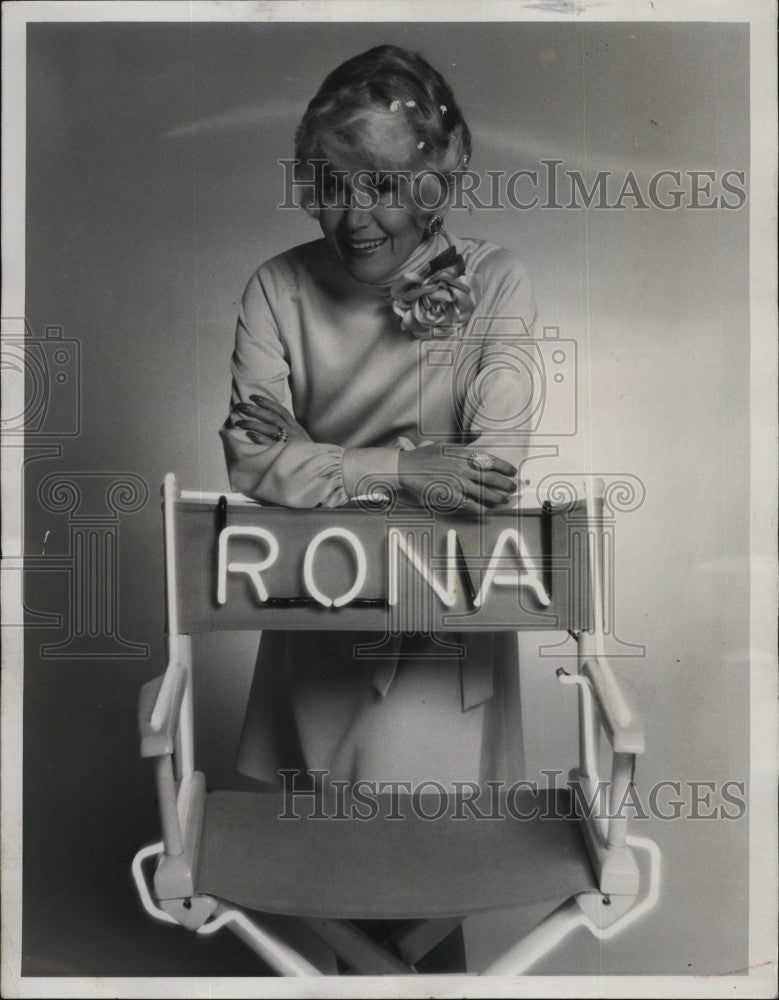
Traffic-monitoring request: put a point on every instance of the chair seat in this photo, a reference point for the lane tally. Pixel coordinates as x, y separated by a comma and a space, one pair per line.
384, 868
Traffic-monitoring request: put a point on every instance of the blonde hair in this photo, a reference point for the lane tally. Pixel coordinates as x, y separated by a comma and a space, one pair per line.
386, 109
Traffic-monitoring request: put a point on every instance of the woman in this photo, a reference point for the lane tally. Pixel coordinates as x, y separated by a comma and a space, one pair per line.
328, 397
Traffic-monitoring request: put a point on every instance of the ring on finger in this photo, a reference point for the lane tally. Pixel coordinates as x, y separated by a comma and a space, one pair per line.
481, 461
283, 434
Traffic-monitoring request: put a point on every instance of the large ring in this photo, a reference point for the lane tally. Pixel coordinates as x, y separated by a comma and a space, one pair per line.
283, 434
481, 461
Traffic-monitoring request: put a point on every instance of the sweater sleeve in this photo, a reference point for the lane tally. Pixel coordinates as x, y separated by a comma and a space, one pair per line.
293, 473
503, 390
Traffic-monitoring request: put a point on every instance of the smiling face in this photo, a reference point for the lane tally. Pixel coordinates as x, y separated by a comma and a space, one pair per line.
372, 242
388, 110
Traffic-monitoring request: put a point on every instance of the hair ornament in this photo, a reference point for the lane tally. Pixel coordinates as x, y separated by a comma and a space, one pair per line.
386, 79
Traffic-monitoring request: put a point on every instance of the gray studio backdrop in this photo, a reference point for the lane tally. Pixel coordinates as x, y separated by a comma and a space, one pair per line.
152, 186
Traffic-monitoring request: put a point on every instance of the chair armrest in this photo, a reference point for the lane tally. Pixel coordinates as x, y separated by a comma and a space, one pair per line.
158, 734
619, 712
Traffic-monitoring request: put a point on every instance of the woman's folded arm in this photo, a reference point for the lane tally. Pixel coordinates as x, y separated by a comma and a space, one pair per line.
499, 401
303, 473
296, 472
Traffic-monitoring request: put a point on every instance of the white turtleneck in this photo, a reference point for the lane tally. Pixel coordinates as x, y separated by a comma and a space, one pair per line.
330, 349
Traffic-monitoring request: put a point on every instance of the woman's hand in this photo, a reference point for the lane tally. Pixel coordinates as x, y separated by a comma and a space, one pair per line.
446, 478
266, 421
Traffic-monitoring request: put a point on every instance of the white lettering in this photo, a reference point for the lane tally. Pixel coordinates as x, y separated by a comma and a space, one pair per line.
252, 569
308, 567
448, 594
512, 578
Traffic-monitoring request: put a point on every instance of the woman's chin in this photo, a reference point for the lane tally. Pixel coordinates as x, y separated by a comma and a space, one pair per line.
371, 261
368, 269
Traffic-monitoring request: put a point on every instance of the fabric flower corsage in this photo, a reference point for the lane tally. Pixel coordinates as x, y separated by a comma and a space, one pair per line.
438, 300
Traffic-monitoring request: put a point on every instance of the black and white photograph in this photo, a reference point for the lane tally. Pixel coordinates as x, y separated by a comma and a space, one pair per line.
388, 501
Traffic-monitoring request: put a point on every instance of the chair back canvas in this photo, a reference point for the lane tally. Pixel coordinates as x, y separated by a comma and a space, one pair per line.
238, 565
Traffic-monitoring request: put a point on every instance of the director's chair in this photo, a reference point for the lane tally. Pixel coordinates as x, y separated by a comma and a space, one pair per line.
303, 892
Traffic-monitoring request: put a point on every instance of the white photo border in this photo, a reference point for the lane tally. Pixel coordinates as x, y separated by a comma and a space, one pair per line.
760, 978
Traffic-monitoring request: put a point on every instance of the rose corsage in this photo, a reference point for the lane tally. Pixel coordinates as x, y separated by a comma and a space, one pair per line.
438, 300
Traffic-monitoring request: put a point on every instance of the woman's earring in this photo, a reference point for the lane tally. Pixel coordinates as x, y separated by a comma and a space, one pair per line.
434, 227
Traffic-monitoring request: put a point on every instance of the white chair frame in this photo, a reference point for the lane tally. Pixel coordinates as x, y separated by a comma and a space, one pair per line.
167, 736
